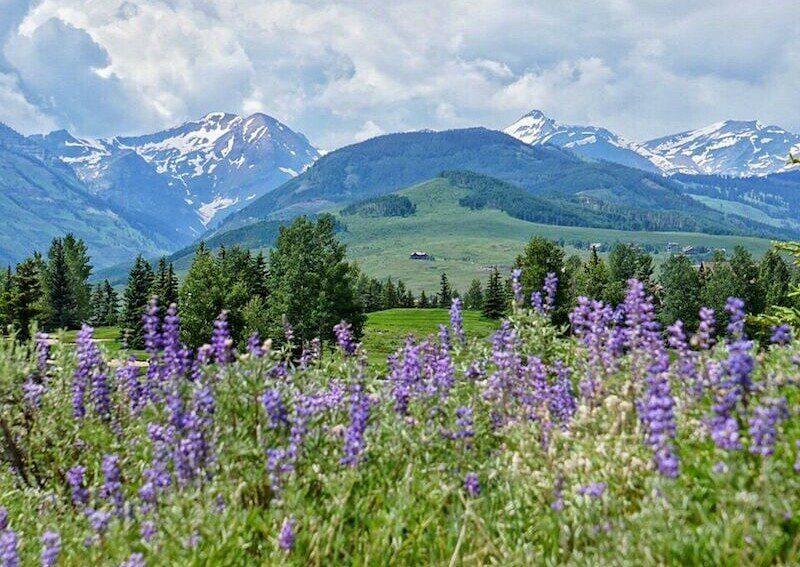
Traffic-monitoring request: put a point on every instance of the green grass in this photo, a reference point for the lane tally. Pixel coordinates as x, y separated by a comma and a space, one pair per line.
386, 330
108, 337
465, 243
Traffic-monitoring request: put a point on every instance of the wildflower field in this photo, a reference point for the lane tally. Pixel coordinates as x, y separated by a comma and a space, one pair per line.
616, 443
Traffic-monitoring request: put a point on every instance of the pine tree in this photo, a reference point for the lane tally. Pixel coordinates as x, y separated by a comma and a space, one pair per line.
445, 297
495, 299
165, 285
774, 279
389, 298
593, 280
135, 299
746, 272
80, 269
423, 302
106, 305
720, 284
61, 299
540, 257
310, 282
25, 301
474, 297
681, 288
626, 261
6, 286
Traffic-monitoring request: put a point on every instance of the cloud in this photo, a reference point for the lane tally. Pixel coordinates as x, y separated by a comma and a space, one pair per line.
340, 71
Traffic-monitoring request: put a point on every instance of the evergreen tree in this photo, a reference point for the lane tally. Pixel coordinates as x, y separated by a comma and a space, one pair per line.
774, 279
389, 297
540, 257
720, 284
80, 269
135, 299
25, 300
201, 297
6, 287
495, 300
165, 285
310, 282
61, 299
626, 261
680, 283
593, 280
474, 297
423, 302
746, 272
445, 297
106, 305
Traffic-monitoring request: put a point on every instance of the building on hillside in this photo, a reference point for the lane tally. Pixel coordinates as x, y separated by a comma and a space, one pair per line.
420, 256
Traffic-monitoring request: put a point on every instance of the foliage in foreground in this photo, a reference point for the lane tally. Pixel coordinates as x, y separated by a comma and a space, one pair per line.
615, 445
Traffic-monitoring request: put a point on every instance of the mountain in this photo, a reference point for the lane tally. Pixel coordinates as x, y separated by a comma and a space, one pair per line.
40, 198
591, 142
181, 180
732, 147
618, 196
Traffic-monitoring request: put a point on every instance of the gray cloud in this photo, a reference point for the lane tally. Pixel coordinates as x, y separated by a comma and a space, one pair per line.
345, 70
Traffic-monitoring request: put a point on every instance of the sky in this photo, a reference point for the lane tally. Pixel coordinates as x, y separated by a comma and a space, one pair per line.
344, 71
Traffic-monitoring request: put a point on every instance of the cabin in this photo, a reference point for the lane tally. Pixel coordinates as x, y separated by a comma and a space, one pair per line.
420, 256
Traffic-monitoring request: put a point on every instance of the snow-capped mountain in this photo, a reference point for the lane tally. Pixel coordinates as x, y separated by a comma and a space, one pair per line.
733, 147
589, 141
187, 177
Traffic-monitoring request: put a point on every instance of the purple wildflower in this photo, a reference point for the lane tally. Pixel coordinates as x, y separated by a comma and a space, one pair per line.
32, 392
797, 461
550, 288
593, 490
42, 350
516, 286
781, 335
135, 560
457, 320
76, 480
128, 377
254, 346
704, 337
99, 521
112, 485
472, 484
51, 548
657, 414
9, 549
88, 362
734, 307
101, 395
354, 443
273, 404
465, 425
763, 426
286, 538
148, 531
221, 341
562, 404
3, 518
344, 338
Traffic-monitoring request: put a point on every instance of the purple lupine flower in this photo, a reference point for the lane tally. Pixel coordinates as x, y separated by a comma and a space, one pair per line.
150, 328
657, 414
735, 387
42, 349
3, 518
781, 335
76, 480
643, 331
536, 301
457, 320
195, 452
89, 362
562, 404
734, 307
592, 322
221, 341
593, 490
51, 548
763, 426
465, 425
286, 538
472, 484
148, 531
344, 338
687, 370
161, 439
288, 331
9, 549
135, 560
354, 443
704, 337
312, 351
254, 346
32, 393
550, 288
112, 485
273, 404
99, 521
101, 395
176, 357
516, 286
405, 375
128, 377
797, 461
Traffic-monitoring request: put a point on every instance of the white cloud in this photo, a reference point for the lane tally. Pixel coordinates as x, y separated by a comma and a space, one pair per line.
337, 70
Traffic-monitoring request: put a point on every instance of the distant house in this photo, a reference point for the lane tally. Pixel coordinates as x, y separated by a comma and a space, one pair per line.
420, 256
